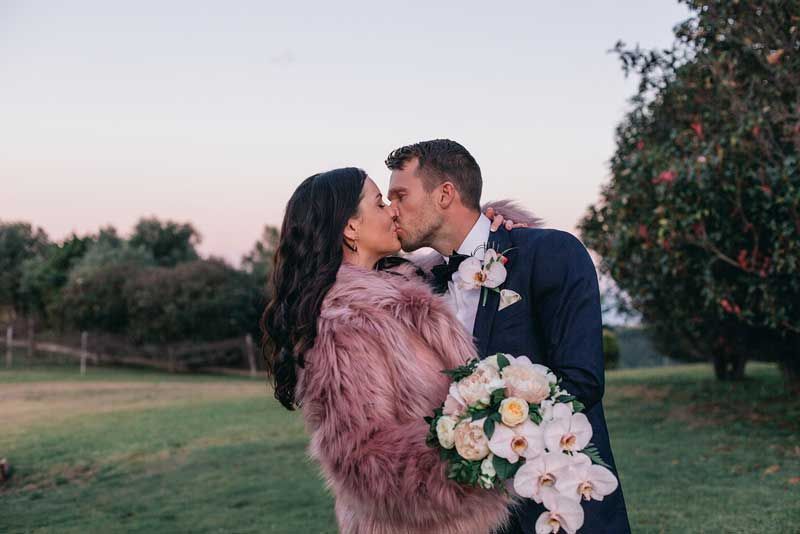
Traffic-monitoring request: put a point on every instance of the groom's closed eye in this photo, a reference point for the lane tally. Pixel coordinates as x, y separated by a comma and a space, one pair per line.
396, 195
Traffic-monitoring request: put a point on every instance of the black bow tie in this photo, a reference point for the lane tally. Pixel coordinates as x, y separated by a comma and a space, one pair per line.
443, 272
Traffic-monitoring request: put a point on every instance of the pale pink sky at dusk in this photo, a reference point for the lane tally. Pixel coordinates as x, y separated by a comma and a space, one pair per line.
213, 112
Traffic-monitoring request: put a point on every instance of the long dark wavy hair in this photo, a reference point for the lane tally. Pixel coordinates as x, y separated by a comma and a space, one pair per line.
308, 257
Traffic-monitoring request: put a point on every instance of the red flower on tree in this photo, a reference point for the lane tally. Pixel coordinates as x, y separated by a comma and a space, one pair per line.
665, 177
742, 259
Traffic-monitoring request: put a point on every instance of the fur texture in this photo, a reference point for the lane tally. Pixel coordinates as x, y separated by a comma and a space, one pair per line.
372, 376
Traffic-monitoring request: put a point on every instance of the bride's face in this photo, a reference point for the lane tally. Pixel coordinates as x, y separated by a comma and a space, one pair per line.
375, 228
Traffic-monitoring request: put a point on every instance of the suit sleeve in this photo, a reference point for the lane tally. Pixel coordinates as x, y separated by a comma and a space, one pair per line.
566, 302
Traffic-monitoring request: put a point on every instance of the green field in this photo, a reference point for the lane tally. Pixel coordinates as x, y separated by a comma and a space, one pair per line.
131, 451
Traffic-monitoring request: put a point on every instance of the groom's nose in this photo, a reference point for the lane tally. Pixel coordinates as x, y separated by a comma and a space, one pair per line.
395, 213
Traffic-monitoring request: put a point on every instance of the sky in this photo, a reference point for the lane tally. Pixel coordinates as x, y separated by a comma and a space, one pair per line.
213, 112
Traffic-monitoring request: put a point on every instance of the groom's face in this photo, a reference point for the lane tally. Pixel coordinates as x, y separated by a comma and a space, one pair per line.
418, 220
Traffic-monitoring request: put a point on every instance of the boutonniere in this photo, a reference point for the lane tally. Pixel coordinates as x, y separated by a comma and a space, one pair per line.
487, 274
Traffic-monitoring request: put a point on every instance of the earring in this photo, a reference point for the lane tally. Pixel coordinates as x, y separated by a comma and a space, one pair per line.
353, 247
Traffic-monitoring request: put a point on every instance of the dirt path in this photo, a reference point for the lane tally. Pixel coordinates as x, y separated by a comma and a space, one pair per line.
41, 402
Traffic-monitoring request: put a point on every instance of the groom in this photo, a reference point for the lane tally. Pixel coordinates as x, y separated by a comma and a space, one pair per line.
436, 187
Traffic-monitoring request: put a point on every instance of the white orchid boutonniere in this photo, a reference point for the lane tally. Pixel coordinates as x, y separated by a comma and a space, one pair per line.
487, 274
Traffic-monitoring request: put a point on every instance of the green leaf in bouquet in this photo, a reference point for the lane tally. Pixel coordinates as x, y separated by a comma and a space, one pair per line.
504, 468
502, 361
592, 452
461, 372
565, 398
480, 413
488, 427
577, 406
497, 396
465, 472
534, 413
496, 417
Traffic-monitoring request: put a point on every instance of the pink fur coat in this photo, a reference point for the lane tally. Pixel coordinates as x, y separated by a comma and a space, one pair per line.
371, 377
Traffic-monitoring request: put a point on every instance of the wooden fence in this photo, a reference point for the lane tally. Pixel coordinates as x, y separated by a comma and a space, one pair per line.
174, 362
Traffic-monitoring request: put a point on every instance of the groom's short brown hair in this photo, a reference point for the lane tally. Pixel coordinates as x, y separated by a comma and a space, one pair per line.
442, 160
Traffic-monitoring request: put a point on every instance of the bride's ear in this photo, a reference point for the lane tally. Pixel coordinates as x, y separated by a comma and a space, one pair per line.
351, 229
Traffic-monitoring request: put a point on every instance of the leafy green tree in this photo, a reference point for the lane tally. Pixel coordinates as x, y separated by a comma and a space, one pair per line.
169, 242
44, 275
700, 223
19, 242
258, 262
202, 300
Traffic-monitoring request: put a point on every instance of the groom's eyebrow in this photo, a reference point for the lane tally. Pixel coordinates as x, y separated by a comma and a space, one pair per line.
395, 191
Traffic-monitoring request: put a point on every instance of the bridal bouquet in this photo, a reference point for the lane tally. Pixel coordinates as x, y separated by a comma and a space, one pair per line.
507, 423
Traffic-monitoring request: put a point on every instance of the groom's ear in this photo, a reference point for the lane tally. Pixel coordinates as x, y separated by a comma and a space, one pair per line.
446, 195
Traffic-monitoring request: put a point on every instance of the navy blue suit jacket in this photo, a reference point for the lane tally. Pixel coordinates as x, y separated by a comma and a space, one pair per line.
558, 324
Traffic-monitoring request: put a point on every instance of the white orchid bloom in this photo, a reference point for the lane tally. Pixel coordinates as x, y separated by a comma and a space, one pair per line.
585, 481
524, 440
567, 431
474, 273
471, 274
562, 513
539, 475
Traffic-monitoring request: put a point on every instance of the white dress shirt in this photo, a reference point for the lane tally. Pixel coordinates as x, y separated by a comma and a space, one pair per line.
465, 301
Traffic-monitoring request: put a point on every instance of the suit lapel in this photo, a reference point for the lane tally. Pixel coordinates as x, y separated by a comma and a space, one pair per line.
499, 240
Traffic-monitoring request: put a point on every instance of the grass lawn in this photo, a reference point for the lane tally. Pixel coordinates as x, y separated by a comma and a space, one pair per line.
134, 451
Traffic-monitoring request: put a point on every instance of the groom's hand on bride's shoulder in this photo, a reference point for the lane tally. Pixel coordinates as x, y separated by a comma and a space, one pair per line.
498, 220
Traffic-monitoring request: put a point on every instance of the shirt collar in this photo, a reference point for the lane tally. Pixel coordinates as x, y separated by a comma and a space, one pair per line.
476, 238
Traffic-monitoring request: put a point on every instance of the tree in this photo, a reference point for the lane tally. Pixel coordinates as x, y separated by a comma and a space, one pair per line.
93, 298
44, 275
169, 243
258, 262
699, 225
19, 241
203, 300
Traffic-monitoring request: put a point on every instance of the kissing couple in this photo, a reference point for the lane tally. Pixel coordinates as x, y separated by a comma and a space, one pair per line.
357, 336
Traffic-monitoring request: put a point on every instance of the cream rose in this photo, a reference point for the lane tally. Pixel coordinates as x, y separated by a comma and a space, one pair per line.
477, 387
523, 380
513, 411
445, 431
470, 441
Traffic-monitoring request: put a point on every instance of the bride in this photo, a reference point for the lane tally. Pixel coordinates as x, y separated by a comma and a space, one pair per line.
357, 340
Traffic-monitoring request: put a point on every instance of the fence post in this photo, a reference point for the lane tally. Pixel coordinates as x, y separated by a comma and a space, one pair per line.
9, 345
171, 357
84, 350
248, 340
31, 337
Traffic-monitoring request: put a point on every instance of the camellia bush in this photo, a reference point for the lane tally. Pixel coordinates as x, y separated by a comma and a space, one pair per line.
700, 224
